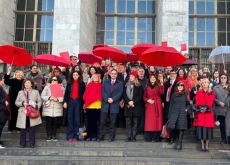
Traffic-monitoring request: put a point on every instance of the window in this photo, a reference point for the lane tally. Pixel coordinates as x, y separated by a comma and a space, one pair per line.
32, 25
125, 22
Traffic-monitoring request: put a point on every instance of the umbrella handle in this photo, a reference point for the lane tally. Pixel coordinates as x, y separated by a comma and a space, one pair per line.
12, 62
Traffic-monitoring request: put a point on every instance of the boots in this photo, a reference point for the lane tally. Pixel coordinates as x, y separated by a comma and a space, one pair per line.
179, 144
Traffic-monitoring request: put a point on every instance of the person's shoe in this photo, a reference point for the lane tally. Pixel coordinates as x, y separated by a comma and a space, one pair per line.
100, 139
134, 139
111, 139
22, 146
206, 150
2, 146
31, 145
128, 139
48, 139
94, 139
223, 141
178, 146
202, 149
89, 139
54, 139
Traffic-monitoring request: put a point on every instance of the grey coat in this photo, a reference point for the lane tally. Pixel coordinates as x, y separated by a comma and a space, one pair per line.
177, 117
21, 120
221, 95
38, 80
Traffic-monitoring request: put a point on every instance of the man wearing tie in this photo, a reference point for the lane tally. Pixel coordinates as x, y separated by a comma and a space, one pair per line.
112, 91
169, 89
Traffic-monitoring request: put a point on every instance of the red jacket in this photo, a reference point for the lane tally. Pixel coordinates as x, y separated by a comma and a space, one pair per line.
205, 119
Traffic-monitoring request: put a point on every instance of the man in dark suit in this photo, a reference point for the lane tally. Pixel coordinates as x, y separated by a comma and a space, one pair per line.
169, 87
112, 91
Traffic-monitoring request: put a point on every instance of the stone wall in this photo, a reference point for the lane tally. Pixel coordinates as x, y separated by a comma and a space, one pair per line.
74, 26
172, 22
7, 21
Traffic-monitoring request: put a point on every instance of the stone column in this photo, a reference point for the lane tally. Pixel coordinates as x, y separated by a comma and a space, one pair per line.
7, 21
172, 20
74, 26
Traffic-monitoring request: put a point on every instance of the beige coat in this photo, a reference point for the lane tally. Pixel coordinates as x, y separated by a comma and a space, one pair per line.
21, 120
55, 108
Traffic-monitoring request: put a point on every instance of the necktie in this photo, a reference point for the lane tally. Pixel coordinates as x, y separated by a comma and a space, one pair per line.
169, 92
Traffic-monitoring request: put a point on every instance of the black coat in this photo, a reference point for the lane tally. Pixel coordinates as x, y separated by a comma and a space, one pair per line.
177, 117
137, 98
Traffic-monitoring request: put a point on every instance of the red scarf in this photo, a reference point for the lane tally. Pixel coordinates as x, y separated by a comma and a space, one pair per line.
75, 90
92, 93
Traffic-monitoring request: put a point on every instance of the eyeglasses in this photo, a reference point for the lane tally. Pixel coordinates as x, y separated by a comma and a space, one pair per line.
54, 79
180, 85
223, 77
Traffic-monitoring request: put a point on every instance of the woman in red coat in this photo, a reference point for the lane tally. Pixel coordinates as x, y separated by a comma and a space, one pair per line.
204, 121
153, 106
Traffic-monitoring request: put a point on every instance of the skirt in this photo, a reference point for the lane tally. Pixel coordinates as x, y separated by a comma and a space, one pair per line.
204, 133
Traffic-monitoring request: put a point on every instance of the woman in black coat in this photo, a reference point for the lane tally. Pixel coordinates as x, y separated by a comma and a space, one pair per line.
15, 86
4, 111
177, 117
132, 98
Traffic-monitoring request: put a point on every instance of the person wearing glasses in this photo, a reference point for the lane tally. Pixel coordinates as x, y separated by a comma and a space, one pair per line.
221, 93
177, 117
52, 95
204, 118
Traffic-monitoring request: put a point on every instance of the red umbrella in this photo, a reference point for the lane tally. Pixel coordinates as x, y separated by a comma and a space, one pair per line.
162, 56
52, 60
131, 57
88, 57
110, 53
99, 45
140, 48
15, 55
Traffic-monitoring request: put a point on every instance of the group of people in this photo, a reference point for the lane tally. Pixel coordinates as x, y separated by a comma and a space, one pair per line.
140, 98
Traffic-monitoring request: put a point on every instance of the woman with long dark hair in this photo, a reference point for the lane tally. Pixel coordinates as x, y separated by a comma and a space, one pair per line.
73, 102
153, 108
177, 117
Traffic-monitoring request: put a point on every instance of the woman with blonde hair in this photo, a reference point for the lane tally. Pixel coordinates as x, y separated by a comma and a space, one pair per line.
15, 85
204, 119
193, 75
93, 101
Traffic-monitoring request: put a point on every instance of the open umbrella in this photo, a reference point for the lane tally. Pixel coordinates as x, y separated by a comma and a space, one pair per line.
99, 45
140, 48
131, 57
189, 62
15, 56
88, 57
110, 53
162, 56
52, 60
220, 55
65, 56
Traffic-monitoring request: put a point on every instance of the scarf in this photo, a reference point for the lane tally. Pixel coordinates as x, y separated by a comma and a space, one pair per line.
129, 91
75, 90
33, 74
93, 92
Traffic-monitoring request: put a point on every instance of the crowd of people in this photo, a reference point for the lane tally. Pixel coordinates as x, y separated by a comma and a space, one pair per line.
139, 98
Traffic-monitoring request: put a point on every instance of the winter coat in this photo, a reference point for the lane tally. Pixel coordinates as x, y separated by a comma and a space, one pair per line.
153, 112
115, 94
38, 80
221, 95
137, 97
205, 119
21, 98
177, 117
55, 108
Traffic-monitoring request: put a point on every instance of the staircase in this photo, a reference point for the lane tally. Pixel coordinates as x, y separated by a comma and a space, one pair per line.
117, 152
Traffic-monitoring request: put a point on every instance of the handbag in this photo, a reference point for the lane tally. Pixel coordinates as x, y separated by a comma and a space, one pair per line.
165, 133
32, 112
